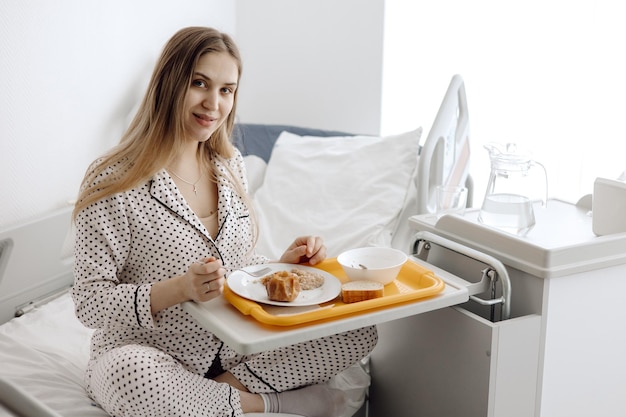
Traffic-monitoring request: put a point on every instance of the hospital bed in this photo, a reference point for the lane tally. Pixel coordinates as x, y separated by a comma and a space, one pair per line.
354, 190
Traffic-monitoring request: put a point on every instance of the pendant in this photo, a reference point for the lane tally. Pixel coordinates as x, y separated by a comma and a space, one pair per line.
195, 190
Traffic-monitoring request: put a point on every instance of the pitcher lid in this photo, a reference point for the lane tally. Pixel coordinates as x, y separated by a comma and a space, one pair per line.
510, 153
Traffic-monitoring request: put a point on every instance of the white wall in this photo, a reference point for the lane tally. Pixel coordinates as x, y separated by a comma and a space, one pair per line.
312, 63
70, 71
544, 73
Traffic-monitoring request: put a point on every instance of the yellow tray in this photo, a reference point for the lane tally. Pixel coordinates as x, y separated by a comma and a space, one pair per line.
413, 283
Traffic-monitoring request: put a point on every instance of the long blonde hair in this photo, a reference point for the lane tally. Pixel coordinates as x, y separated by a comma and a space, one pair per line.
156, 133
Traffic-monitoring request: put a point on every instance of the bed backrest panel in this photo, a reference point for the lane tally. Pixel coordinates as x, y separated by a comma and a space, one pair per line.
444, 158
32, 261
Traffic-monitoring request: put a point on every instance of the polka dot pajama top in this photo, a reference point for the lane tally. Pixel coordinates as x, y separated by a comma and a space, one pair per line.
161, 365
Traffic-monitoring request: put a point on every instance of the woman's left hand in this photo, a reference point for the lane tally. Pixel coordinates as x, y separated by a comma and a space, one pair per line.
304, 249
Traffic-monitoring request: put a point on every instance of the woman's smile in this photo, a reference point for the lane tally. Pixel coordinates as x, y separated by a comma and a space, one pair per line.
204, 120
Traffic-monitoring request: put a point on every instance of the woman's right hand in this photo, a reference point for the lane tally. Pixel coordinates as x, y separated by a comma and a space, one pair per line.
204, 280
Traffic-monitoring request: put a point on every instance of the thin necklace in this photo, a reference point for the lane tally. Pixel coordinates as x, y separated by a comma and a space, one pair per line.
193, 184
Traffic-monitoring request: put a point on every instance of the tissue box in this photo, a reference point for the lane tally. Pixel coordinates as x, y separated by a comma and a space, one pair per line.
609, 206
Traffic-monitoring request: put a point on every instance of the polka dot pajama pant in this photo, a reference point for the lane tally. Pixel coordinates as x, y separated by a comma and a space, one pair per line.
137, 380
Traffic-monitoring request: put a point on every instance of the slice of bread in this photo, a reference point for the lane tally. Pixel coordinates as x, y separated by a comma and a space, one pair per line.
354, 291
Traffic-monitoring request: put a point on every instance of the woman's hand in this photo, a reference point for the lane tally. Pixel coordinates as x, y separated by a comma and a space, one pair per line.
203, 281
304, 249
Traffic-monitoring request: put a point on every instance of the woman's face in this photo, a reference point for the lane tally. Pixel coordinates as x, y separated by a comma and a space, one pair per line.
211, 95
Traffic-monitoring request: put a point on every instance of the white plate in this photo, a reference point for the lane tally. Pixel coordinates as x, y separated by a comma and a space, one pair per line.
251, 288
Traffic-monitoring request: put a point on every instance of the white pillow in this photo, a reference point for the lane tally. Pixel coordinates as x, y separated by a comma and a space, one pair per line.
255, 172
349, 190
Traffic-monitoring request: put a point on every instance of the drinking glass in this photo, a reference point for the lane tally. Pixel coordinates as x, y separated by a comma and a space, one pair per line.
451, 199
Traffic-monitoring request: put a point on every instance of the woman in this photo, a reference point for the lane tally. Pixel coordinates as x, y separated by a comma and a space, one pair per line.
160, 219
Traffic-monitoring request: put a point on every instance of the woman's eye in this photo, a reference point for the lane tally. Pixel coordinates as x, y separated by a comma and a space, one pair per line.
198, 83
227, 90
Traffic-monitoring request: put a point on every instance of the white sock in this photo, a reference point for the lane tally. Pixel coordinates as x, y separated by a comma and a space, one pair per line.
270, 401
311, 401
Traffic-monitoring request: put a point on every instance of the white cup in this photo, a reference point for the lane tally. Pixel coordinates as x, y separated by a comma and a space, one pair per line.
451, 199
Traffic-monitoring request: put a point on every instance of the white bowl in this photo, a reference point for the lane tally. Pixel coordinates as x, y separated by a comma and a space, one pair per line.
381, 264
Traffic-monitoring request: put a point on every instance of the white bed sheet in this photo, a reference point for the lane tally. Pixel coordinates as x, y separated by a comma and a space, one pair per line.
45, 353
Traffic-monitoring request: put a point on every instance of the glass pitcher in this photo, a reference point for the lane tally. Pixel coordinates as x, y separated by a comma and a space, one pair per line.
512, 189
